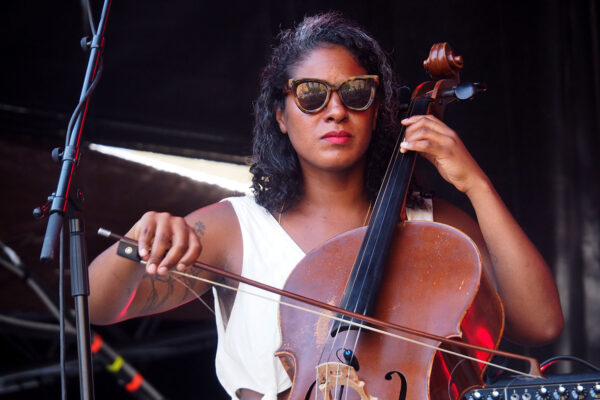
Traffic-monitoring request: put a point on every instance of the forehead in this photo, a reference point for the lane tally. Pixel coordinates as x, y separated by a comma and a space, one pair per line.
331, 63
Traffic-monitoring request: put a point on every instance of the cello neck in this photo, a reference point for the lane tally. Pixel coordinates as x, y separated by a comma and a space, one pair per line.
369, 265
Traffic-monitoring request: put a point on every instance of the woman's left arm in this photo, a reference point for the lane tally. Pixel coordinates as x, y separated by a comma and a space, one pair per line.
524, 281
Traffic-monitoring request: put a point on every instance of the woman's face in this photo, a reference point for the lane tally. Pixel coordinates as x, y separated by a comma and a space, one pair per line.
335, 138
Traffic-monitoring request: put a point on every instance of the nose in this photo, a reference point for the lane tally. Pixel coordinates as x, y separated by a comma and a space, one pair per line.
335, 109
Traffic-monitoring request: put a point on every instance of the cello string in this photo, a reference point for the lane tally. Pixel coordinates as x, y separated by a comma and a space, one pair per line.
355, 346
377, 208
379, 204
332, 346
358, 325
380, 207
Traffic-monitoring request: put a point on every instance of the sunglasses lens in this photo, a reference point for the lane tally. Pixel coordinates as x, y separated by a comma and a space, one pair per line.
311, 95
356, 94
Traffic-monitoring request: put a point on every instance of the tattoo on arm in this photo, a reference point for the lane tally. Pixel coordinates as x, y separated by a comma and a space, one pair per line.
200, 228
157, 297
191, 283
163, 287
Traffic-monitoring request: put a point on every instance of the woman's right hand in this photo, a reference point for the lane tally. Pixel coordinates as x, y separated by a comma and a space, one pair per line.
165, 241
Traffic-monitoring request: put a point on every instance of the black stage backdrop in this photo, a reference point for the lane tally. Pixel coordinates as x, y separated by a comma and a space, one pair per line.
180, 77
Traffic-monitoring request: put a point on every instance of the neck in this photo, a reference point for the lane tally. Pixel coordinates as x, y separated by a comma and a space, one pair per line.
333, 193
333, 203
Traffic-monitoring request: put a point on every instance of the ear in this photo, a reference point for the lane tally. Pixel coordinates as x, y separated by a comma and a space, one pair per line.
280, 120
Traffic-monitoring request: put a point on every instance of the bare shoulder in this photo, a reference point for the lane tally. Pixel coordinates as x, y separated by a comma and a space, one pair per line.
447, 213
218, 216
218, 228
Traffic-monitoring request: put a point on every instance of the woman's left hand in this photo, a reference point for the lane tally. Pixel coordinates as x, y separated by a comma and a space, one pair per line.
439, 144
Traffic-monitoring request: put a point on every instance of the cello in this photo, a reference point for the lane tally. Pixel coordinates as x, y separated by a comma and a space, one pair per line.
420, 274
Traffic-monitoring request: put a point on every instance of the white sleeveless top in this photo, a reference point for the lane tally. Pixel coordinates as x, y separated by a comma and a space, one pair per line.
246, 346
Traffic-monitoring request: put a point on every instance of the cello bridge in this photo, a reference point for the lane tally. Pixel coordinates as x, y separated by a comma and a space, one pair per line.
333, 374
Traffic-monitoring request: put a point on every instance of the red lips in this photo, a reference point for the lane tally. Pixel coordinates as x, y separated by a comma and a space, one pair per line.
337, 137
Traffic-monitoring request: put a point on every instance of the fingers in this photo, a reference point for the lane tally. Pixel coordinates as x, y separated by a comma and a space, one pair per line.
165, 242
428, 135
439, 144
145, 228
193, 251
185, 247
430, 149
162, 242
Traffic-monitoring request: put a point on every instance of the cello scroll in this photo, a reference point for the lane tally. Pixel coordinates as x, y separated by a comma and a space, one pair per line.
444, 67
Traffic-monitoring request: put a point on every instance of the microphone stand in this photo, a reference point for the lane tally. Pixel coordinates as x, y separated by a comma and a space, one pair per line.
59, 206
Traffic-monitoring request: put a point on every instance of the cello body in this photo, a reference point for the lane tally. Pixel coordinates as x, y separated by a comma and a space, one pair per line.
423, 275
433, 282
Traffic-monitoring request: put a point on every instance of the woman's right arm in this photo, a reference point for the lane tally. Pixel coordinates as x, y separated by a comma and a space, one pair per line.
121, 289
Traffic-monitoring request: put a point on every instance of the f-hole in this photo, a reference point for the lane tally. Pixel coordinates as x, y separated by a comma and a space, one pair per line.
389, 376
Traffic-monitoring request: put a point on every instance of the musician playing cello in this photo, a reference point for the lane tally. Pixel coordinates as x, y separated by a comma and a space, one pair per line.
325, 124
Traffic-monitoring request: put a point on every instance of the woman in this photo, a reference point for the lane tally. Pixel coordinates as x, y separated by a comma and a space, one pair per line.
318, 163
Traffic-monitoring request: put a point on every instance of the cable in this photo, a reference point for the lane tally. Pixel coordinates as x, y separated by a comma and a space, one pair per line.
83, 100
556, 359
90, 16
77, 111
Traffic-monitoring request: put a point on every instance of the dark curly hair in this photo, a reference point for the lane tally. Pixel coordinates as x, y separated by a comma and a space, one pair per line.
277, 178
